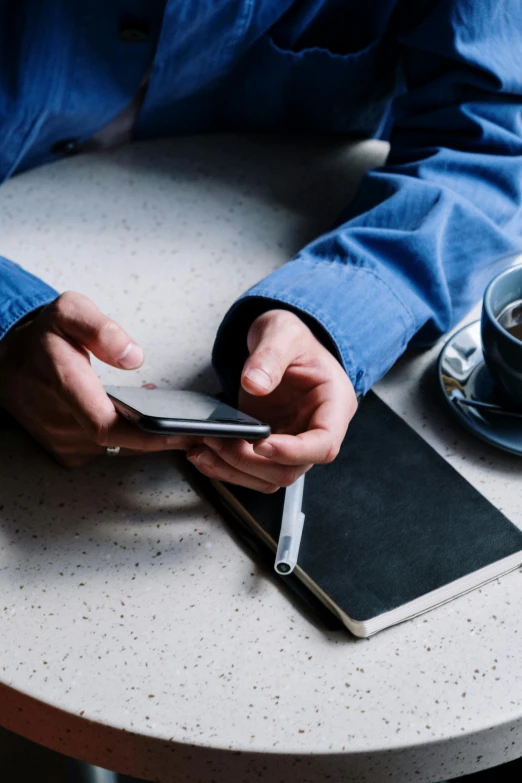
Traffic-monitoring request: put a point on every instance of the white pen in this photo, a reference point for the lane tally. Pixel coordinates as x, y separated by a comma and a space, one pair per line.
291, 528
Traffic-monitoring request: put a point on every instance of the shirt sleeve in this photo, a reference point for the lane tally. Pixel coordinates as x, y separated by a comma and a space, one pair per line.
428, 230
20, 294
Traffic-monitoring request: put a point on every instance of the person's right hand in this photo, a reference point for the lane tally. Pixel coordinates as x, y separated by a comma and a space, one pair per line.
48, 385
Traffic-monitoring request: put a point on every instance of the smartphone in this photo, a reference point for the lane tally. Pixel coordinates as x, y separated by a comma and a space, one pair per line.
173, 412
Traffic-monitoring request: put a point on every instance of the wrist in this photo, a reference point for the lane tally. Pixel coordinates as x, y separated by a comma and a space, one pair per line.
14, 331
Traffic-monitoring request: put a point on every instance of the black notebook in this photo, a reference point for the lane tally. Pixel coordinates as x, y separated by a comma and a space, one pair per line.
391, 529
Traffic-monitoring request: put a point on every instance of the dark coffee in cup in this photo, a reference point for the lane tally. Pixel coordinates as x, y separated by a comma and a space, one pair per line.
501, 329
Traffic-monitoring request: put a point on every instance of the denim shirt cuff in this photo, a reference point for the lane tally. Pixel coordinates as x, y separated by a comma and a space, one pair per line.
20, 294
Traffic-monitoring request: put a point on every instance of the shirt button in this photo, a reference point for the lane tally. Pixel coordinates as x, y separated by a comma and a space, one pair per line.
66, 147
134, 30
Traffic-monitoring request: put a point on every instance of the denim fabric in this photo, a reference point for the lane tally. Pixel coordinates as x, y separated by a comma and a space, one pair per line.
425, 232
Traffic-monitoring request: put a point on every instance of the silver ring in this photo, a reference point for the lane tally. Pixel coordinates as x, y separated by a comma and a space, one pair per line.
113, 451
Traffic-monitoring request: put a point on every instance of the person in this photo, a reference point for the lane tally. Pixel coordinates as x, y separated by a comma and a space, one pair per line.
442, 79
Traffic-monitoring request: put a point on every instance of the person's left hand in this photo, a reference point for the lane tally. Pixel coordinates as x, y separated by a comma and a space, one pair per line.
296, 385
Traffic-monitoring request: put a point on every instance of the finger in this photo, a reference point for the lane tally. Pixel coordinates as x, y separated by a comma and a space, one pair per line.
79, 319
75, 445
320, 444
77, 384
125, 435
88, 402
275, 340
240, 456
210, 464
315, 446
72, 447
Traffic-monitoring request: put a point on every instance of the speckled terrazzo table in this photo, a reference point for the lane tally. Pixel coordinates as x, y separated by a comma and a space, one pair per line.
135, 631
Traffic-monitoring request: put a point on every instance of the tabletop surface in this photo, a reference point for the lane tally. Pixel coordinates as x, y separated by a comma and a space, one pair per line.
128, 608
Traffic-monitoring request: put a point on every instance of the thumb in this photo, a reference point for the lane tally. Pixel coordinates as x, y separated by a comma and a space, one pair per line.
77, 318
274, 342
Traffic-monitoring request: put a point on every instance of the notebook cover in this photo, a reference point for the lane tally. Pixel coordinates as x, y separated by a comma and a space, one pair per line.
389, 520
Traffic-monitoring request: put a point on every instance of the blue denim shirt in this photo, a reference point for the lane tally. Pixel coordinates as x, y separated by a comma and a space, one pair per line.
417, 245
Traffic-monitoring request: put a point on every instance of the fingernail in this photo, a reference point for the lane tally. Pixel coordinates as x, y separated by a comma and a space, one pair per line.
259, 377
213, 443
264, 449
131, 357
204, 458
